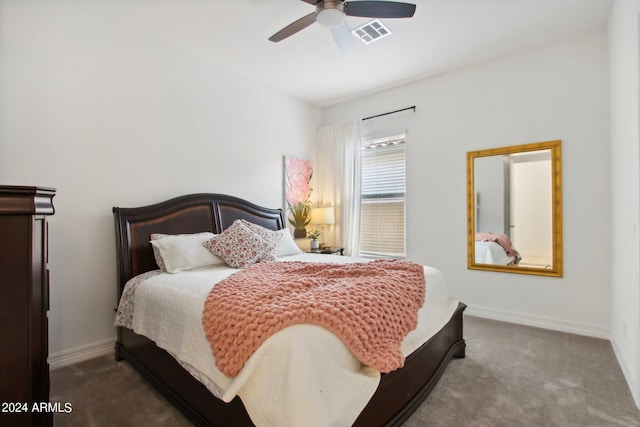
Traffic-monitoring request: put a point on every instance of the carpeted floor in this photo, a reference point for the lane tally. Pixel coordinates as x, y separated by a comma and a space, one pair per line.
512, 376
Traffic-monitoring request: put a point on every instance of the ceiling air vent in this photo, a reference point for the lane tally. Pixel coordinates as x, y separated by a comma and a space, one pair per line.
371, 31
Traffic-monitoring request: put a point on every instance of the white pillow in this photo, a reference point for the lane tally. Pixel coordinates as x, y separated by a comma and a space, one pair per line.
156, 252
287, 245
182, 252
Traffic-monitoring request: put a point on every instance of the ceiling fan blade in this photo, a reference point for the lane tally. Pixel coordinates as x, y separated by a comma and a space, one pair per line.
380, 9
294, 27
343, 37
313, 2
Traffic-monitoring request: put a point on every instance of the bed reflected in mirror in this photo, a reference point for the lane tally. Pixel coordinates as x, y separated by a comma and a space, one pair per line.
514, 209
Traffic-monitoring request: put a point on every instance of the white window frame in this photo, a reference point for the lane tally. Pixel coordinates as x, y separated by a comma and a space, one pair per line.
391, 190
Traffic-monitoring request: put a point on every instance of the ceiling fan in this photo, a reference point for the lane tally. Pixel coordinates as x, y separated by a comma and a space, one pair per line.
331, 14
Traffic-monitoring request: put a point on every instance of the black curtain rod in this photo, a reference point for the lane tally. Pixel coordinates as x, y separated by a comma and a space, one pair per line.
413, 107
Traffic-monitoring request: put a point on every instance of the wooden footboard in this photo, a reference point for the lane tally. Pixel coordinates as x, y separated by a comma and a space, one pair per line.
183, 391
399, 394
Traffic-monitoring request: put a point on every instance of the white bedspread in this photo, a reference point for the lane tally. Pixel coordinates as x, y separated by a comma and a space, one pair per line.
491, 253
303, 375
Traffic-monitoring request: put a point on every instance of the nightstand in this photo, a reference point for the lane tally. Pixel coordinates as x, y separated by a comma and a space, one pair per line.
334, 251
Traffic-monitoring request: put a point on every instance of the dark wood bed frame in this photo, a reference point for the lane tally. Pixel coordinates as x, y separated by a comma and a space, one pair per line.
399, 393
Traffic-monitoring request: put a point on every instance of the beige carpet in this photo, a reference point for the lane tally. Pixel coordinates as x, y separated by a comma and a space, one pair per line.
512, 376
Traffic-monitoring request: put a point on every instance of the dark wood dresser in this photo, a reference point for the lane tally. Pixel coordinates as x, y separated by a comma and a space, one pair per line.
24, 302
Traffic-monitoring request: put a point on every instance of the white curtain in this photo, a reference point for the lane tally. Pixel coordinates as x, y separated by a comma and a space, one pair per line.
337, 181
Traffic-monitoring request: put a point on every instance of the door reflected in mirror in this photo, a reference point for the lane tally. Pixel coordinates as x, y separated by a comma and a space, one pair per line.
514, 209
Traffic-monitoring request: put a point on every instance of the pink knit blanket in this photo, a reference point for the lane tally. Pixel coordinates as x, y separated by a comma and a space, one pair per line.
370, 306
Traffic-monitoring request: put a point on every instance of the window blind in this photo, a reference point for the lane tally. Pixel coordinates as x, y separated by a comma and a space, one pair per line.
382, 203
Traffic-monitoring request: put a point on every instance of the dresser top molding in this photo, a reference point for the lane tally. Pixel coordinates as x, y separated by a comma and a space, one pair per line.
23, 200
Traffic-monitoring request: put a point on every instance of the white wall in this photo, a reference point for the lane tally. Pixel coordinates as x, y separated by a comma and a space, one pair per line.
555, 91
112, 117
624, 54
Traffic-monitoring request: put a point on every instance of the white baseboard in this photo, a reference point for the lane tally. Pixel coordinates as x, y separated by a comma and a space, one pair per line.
538, 322
82, 353
632, 380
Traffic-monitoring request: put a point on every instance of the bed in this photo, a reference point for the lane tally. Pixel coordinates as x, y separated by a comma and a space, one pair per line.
397, 394
495, 248
493, 253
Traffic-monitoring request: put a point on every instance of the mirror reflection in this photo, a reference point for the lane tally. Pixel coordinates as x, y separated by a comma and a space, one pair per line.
514, 209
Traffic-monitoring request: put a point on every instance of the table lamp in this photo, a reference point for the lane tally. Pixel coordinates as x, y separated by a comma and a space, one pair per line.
323, 216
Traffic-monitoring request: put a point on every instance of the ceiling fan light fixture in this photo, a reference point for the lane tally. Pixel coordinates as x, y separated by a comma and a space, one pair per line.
330, 13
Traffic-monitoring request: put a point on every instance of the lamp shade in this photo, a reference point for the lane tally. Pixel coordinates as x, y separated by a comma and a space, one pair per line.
324, 215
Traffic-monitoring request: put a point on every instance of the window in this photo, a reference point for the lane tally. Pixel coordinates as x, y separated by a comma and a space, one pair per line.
382, 203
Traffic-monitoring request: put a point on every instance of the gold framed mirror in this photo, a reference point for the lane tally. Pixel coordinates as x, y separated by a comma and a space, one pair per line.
514, 209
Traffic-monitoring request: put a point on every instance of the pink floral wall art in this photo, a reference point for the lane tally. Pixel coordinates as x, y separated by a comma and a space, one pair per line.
298, 174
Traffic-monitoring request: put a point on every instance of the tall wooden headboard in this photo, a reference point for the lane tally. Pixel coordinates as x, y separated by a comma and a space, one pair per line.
186, 214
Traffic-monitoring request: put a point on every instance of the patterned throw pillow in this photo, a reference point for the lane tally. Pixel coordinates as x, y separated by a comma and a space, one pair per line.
270, 236
239, 246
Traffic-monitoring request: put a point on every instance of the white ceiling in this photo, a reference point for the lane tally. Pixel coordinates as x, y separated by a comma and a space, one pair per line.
443, 35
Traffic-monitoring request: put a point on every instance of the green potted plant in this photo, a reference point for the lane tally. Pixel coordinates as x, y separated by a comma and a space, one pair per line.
313, 235
300, 217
